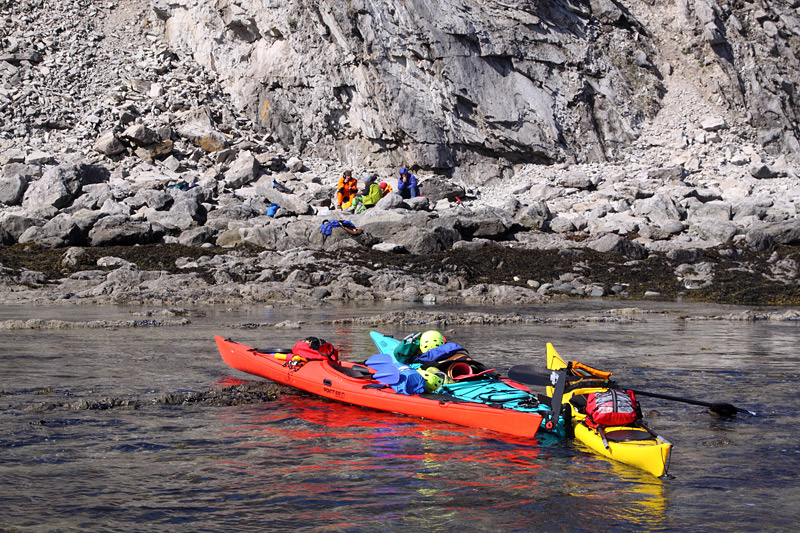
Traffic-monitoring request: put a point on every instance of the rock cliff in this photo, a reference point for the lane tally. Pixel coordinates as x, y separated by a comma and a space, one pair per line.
468, 88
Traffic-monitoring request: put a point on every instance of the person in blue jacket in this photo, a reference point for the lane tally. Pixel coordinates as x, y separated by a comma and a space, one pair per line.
407, 184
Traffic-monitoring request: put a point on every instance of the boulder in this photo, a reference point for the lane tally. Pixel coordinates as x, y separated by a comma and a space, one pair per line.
120, 230
12, 190
140, 135
243, 171
108, 144
437, 188
660, 209
761, 171
58, 187
197, 126
759, 241
716, 232
196, 236
158, 200
16, 225
61, 230
617, 244
533, 216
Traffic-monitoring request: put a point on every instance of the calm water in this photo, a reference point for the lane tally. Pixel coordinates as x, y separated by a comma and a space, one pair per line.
310, 465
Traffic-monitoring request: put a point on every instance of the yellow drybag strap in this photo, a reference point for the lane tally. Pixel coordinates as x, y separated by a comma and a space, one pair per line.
576, 367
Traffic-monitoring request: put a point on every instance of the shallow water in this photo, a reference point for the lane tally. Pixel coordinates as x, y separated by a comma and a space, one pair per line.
307, 464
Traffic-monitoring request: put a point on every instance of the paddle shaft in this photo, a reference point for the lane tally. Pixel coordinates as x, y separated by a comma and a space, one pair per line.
723, 408
526, 374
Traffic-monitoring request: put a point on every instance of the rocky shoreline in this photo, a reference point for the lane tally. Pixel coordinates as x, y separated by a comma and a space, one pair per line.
150, 187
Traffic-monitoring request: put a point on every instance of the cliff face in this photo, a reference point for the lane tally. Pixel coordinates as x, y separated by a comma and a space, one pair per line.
457, 86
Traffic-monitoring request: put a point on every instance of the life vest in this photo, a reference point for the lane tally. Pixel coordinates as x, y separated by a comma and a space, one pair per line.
313, 348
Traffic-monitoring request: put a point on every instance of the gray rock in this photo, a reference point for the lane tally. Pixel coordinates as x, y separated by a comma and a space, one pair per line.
391, 201
561, 224
120, 230
390, 248
185, 213
653, 233
12, 190
73, 257
112, 207
243, 171
196, 236
673, 227
716, 231
290, 204
420, 203
197, 126
715, 209
16, 225
759, 241
713, 123
13, 155
787, 232
108, 144
61, 230
140, 135
533, 216
684, 255
612, 243
761, 171
58, 187
158, 200
436, 188
667, 173
660, 209
22, 170
577, 180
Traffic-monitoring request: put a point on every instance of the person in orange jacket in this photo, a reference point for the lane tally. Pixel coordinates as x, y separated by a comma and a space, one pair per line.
346, 190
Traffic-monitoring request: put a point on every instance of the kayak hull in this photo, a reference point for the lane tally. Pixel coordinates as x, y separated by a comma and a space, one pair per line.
328, 380
636, 445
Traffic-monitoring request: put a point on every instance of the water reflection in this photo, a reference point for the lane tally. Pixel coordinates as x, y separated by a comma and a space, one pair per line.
305, 464
466, 477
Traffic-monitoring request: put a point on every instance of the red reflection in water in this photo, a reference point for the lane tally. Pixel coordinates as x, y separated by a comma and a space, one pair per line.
299, 442
387, 438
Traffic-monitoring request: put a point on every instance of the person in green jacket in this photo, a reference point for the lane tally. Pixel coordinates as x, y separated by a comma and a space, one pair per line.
369, 196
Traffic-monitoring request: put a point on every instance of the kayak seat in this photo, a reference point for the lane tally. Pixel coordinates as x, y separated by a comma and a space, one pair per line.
627, 435
355, 371
579, 402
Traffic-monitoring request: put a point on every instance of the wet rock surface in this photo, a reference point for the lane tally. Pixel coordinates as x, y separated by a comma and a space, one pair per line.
243, 393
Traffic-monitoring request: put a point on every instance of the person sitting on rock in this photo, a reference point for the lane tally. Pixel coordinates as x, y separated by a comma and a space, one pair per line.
346, 190
385, 188
369, 196
407, 184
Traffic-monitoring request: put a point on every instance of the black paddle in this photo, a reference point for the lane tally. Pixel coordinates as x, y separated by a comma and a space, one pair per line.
720, 408
530, 376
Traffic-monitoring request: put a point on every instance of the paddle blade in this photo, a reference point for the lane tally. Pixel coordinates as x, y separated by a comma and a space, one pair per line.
387, 374
529, 375
380, 359
385, 370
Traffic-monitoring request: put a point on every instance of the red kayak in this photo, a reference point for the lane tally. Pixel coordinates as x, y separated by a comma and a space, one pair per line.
353, 383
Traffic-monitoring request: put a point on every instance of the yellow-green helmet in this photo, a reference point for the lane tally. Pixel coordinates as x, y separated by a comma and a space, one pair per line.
430, 340
433, 380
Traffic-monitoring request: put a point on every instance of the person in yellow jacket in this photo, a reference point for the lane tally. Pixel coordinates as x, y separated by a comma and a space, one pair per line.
385, 188
346, 190
369, 196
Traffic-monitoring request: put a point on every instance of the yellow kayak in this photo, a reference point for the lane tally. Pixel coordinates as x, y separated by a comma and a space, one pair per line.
633, 444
